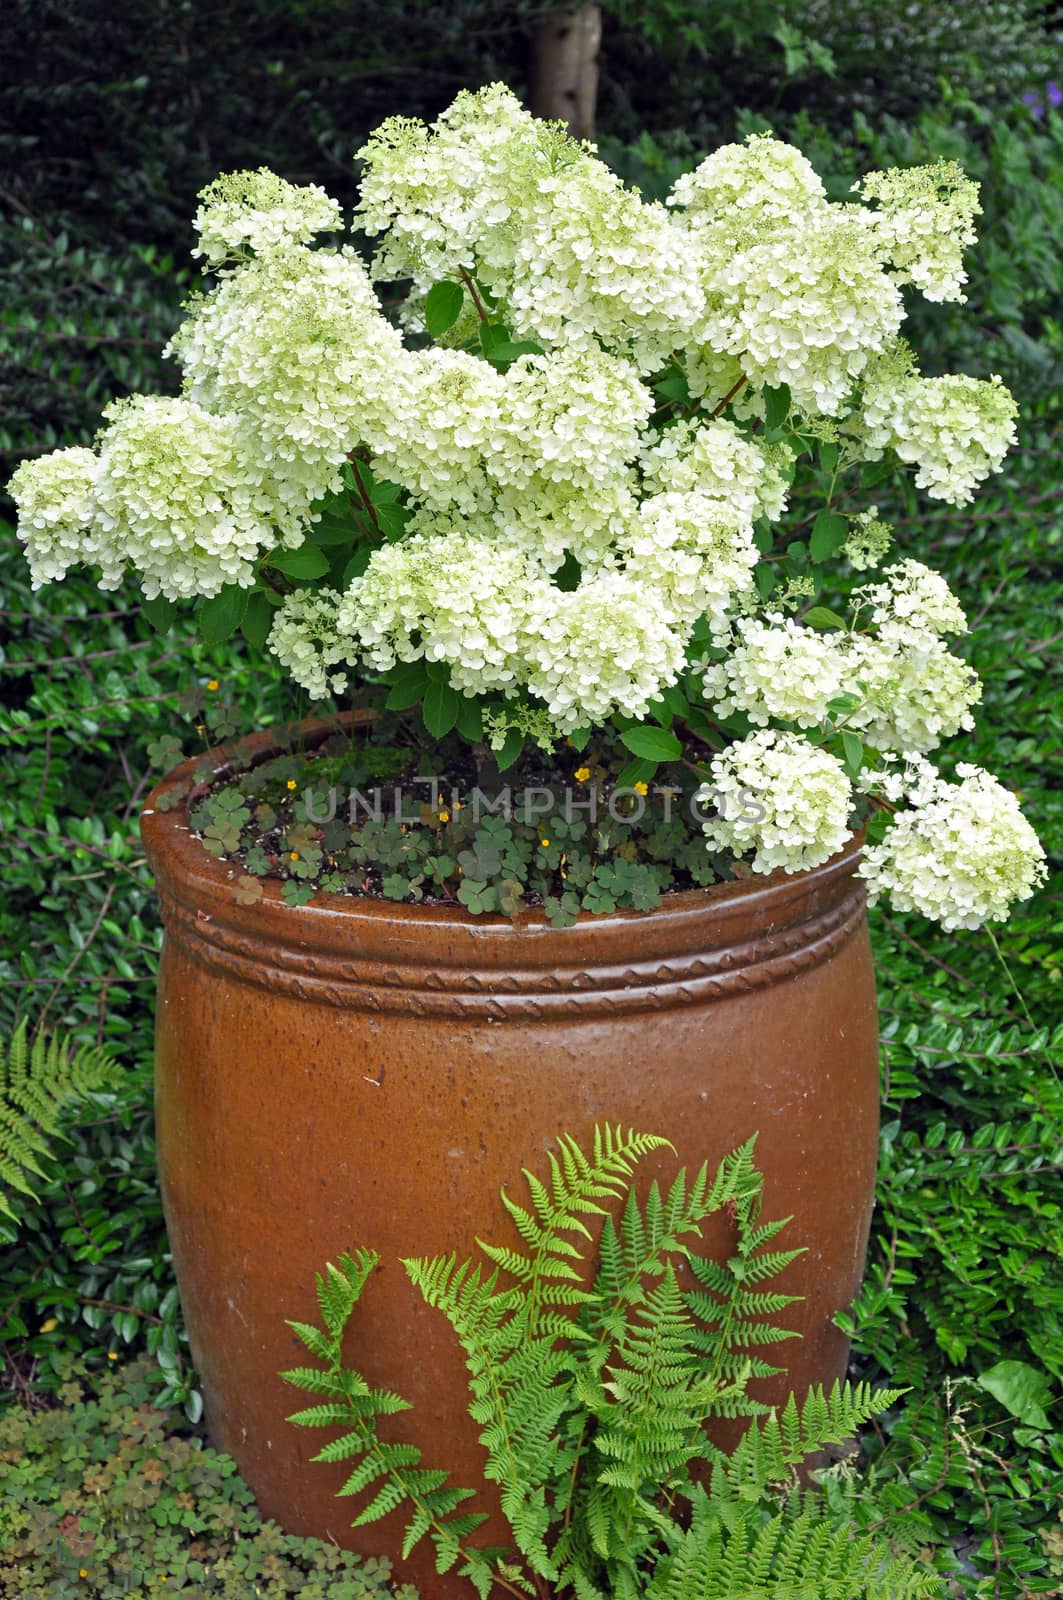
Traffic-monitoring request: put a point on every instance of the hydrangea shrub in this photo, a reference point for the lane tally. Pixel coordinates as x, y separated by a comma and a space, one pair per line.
554, 493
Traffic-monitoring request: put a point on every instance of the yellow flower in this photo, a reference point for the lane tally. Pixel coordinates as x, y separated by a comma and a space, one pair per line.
544, 843
292, 784
83, 1572
294, 856
213, 685
49, 1324
582, 774
640, 787
444, 816
112, 1355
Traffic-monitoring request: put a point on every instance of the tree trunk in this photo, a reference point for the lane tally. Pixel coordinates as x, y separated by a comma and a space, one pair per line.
565, 67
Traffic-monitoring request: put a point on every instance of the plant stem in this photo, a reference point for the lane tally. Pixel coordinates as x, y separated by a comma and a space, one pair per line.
467, 280
728, 397
363, 494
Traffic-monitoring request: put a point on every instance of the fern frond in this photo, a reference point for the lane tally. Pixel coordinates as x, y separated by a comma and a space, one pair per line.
805, 1551
773, 1446
733, 1316
38, 1085
392, 1471
578, 1185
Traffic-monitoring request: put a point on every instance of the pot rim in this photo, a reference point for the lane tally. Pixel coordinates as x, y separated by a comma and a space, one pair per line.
167, 835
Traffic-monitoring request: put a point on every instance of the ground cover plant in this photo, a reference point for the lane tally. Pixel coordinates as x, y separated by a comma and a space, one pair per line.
107, 1495
964, 1266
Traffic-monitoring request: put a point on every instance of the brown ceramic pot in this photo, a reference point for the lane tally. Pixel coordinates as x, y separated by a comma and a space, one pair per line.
358, 1072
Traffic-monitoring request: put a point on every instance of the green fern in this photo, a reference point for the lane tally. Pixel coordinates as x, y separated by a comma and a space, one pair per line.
38, 1084
393, 1471
592, 1387
737, 1551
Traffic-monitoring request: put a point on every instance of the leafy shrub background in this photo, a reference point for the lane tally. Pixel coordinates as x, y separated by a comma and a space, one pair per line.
104, 143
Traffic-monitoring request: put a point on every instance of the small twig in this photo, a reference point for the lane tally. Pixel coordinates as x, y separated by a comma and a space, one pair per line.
113, 1305
728, 397
363, 494
105, 906
477, 302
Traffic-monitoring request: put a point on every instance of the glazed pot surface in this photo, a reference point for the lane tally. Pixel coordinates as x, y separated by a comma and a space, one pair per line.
357, 1072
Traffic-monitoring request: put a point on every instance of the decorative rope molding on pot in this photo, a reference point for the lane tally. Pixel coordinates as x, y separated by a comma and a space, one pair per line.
353, 982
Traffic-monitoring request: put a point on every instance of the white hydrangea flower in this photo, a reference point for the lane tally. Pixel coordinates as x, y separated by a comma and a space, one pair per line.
912, 600
695, 552
295, 345
551, 520
911, 692
779, 798
718, 460
868, 541
307, 641
445, 199
574, 258
955, 430
712, 377
762, 178
803, 303
963, 854
914, 691
574, 417
260, 211
609, 644
925, 223
440, 429
175, 497
779, 670
444, 597
53, 494
596, 264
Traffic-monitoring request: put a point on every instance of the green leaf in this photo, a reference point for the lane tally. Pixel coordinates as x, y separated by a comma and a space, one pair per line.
828, 534
854, 752
822, 617
333, 530
1021, 1389
511, 749
765, 577
470, 723
776, 406
494, 338
408, 687
652, 744
637, 771
673, 388
257, 619
218, 618
440, 709
160, 612
306, 562
442, 307
391, 519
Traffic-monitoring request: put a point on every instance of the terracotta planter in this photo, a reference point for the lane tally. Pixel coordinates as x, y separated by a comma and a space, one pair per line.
361, 1072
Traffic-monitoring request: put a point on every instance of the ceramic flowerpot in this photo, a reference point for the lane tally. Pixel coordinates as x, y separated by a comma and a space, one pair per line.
360, 1072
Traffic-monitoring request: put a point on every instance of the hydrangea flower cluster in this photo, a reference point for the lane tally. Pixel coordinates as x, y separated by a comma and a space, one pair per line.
904, 688
779, 798
954, 430
583, 474
962, 854
926, 221
258, 211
